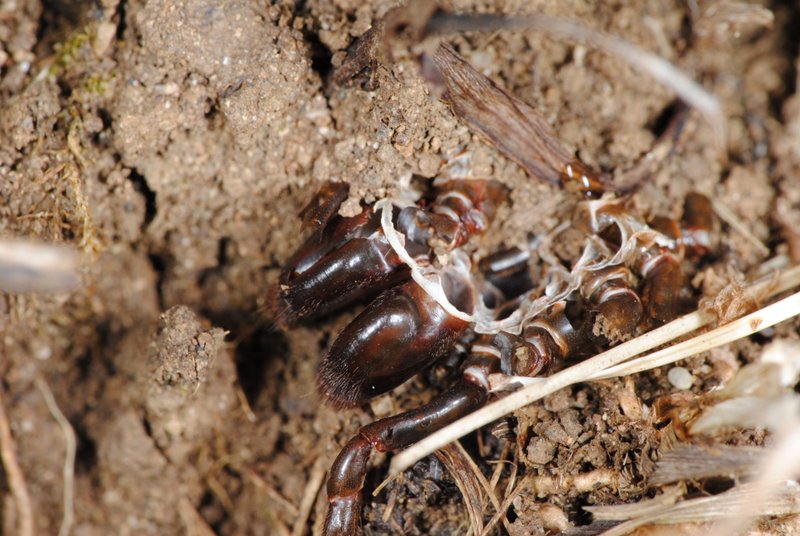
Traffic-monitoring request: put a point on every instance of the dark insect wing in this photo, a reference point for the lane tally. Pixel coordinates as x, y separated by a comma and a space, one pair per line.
509, 124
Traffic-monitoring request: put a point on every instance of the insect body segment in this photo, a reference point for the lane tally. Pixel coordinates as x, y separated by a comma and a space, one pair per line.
340, 263
655, 256
324, 205
610, 292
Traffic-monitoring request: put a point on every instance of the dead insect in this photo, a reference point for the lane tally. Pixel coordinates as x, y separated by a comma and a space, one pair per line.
513, 329
393, 250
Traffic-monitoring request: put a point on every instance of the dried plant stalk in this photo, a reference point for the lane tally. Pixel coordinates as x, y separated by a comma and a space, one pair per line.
689, 462
455, 459
776, 487
70, 451
784, 501
619, 512
27, 266
743, 327
14, 474
313, 486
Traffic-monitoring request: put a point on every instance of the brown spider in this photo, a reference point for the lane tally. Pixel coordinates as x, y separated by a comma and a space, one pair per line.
630, 274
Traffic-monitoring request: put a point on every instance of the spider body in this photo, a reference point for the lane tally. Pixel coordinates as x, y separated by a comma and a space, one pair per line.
428, 295
508, 325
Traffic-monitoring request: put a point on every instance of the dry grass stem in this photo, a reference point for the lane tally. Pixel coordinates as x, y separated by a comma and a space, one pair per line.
379, 488
14, 474
692, 462
729, 217
309, 496
246, 409
489, 488
387, 513
70, 447
602, 363
778, 470
193, 521
220, 493
498, 467
784, 499
27, 266
273, 493
501, 512
467, 484
738, 329
621, 512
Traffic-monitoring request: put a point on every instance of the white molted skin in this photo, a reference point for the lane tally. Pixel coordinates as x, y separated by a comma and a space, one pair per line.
634, 234
428, 282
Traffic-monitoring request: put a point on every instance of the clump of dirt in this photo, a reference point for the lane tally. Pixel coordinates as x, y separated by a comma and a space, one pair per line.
173, 143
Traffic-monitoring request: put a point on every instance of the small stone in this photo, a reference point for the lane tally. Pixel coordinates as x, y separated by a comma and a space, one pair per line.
429, 164
387, 154
106, 31
680, 378
41, 351
540, 450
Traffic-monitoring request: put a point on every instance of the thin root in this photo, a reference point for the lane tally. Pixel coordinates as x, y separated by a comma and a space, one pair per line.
729, 217
70, 447
309, 495
273, 493
16, 478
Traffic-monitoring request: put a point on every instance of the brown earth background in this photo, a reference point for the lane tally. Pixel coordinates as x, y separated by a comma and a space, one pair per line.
173, 142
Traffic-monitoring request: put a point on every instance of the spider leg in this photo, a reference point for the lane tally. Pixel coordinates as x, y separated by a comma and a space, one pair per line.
346, 478
324, 205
